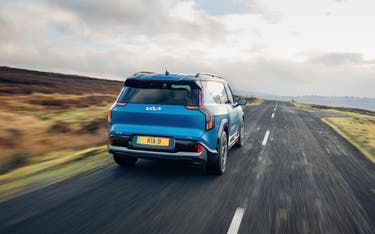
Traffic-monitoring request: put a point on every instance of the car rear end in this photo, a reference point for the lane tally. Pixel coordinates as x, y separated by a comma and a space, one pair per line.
160, 116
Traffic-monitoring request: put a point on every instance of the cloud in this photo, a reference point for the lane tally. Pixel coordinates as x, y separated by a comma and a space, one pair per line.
114, 39
334, 59
144, 17
263, 8
283, 77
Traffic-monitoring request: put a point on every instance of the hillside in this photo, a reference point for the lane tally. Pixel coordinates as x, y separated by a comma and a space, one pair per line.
15, 81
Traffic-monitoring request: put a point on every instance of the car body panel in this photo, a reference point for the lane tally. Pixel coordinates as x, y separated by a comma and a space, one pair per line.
151, 115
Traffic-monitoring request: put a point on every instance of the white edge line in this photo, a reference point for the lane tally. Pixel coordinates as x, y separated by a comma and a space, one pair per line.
265, 139
236, 221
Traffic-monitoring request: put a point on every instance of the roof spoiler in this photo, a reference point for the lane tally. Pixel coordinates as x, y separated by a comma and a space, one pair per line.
143, 72
206, 74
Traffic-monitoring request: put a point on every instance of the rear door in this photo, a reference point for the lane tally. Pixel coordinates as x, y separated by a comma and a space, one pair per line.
158, 108
233, 113
218, 95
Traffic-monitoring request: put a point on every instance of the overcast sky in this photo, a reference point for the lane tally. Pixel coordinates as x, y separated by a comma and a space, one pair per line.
289, 47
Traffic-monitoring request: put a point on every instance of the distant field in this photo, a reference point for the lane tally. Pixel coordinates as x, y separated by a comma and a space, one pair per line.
356, 126
251, 101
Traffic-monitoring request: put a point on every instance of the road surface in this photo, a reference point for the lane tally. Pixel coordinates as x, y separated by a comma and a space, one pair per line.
293, 175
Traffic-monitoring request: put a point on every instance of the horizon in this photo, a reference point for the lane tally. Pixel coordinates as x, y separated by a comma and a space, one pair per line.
236, 91
294, 48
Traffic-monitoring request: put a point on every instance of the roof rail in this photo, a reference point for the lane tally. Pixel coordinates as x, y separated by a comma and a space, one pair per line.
209, 75
143, 72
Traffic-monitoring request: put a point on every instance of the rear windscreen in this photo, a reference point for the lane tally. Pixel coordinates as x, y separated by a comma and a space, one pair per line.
163, 93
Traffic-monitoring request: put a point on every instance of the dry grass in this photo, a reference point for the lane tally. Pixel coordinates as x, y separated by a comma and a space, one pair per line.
302, 105
34, 130
52, 126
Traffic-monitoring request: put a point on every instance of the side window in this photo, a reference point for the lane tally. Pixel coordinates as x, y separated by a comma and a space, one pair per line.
229, 92
214, 92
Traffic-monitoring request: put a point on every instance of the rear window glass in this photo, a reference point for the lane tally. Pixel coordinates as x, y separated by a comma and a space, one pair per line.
163, 93
214, 92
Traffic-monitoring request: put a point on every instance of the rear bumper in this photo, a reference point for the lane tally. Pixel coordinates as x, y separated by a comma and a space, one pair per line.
191, 156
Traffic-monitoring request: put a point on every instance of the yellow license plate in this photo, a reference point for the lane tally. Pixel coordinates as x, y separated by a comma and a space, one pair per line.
155, 141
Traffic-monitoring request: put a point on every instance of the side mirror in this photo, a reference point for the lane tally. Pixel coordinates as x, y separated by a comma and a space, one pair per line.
241, 101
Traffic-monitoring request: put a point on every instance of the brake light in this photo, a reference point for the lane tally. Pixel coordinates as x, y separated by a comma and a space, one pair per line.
203, 109
110, 140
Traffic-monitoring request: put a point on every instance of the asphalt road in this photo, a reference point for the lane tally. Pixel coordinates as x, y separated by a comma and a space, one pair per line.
302, 178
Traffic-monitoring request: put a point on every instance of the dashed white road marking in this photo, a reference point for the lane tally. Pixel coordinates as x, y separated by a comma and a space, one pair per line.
265, 139
236, 221
273, 115
304, 158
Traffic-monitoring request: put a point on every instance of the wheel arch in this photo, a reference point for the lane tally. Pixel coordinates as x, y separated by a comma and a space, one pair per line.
223, 127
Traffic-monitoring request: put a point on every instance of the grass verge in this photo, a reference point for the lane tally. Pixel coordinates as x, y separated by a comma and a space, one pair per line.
256, 102
51, 169
358, 131
302, 105
356, 128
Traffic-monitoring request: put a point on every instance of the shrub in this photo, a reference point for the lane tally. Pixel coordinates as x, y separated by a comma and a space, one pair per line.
59, 127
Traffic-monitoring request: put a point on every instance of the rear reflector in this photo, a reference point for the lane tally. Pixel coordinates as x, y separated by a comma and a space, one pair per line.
109, 113
199, 148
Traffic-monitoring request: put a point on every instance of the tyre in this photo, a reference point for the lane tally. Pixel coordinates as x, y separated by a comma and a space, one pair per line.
124, 161
240, 139
216, 163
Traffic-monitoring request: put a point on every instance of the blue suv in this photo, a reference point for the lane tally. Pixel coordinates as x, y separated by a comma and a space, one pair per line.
174, 116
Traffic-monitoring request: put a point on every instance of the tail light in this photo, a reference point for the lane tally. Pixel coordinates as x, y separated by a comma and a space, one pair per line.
209, 119
203, 109
110, 141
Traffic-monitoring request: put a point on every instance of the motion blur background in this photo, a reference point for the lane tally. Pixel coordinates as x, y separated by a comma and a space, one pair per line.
308, 51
